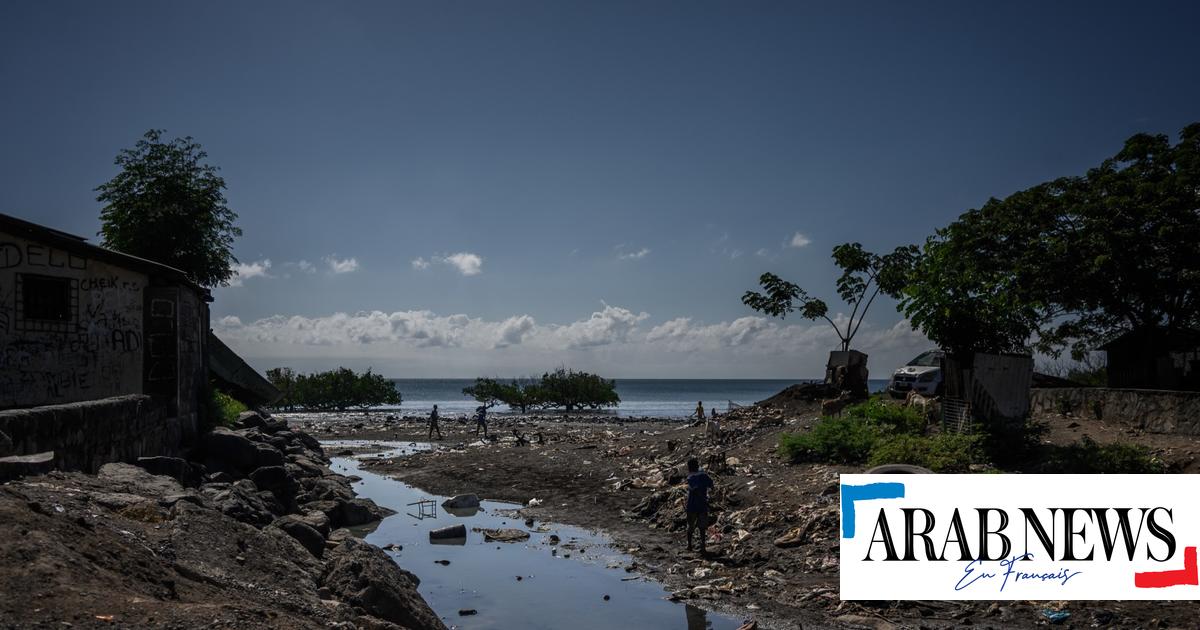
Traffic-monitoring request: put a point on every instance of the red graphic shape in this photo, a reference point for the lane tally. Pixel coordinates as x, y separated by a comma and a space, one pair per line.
1162, 579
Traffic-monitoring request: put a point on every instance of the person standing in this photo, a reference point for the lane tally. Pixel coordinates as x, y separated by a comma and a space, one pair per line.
697, 502
433, 423
481, 419
699, 411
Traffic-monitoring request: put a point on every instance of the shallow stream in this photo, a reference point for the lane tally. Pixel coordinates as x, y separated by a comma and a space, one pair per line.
528, 584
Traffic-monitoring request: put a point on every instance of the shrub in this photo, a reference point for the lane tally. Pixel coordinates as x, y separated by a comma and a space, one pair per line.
223, 408
845, 440
890, 415
945, 452
1089, 457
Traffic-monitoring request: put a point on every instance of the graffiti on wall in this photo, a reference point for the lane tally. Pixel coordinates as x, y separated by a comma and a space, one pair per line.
96, 352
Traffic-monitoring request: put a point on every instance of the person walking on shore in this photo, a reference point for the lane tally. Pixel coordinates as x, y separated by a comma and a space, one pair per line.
699, 413
433, 423
697, 502
481, 419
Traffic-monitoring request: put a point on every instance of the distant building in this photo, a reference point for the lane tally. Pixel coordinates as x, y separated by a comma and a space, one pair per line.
89, 336
1153, 359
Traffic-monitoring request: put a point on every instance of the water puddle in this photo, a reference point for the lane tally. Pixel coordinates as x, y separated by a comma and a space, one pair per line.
526, 584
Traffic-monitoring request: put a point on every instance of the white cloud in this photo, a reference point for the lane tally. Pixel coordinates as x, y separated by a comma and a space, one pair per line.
799, 240
245, 271
342, 265
468, 264
638, 255
306, 266
762, 252
613, 340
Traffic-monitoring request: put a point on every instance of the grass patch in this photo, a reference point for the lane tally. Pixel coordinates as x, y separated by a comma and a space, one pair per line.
879, 432
1089, 457
942, 453
223, 408
844, 440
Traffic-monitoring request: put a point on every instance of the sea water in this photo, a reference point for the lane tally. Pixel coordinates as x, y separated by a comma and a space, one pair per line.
656, 398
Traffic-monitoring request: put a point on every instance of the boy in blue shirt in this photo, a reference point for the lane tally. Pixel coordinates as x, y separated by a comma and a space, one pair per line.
697, 502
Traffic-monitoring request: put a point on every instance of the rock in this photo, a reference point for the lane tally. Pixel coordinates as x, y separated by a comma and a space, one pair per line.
239, 501
461, 501
135, 480
228, 450
454, 531
270, 477
269, 455
304, 533
181, 470
221, 477
363, 576
250, 419
360, 512
6, 445
465, 612
15, 466
317, 520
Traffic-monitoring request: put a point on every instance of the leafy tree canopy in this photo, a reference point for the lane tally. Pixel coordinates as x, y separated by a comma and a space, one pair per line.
1070, 263
864, 276
338, 389
168, 205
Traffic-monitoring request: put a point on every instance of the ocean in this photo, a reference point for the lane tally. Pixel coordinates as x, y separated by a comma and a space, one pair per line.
659, 398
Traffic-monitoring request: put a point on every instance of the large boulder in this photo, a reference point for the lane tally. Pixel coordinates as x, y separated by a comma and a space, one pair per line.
230, 451
360, 512
134, 480
304, 533
268, 455
250, 419
363, 576
270, 478
181, 470
239, 501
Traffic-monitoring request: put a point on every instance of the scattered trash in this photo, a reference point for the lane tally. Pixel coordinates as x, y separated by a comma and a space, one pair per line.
1056, 616
454, 531
466, 612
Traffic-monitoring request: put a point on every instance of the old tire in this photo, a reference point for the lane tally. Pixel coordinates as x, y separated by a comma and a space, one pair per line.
899, 469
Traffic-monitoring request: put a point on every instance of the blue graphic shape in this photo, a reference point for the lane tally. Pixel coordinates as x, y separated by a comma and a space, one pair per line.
850, 494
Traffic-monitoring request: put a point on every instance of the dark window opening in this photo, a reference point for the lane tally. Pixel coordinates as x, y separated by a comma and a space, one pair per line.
47, 299
46, 303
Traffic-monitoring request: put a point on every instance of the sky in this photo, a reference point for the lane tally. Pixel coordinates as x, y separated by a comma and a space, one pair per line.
457, 189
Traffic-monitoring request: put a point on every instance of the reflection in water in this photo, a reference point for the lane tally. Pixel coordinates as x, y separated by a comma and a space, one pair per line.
697, 618
527, 584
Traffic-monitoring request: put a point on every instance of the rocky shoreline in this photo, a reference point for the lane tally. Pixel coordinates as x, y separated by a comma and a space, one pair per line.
251, 530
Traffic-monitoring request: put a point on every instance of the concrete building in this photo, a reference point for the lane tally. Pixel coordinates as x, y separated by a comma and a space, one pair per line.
103, 355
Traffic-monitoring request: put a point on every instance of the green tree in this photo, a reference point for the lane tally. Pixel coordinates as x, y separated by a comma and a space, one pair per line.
864, 277
333, 390
284, 379
1071, 263
575, 390
486, 391
168, 205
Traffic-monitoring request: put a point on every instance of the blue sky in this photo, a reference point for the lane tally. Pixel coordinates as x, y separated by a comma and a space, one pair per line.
449, 189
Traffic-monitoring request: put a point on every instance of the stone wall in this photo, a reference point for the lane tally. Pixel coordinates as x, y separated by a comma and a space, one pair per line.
94, 352
87, 435
1155, 411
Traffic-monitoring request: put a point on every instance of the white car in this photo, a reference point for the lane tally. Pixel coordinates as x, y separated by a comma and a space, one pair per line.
922, 375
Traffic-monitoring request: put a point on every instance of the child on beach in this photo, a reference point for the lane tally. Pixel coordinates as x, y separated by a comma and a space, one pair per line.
697, 502
433, 423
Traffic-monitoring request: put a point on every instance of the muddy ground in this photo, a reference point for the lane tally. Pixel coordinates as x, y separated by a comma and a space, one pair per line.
773, 551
